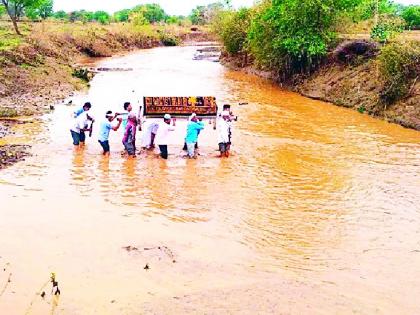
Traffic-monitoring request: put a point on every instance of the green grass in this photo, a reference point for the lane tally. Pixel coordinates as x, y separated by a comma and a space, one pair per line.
8, 39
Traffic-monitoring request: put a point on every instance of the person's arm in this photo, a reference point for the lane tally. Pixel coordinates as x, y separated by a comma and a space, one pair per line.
199, 125
115, 128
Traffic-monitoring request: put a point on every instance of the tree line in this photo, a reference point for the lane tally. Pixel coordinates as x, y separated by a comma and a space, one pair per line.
143, 14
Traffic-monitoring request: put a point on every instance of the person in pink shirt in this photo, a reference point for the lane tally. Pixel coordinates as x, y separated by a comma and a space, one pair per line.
129, 139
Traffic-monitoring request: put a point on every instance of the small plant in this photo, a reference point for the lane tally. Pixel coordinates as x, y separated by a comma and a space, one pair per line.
361, 109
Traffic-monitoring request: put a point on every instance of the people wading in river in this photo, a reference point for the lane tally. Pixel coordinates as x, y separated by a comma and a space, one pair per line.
224, 131
82, 110
85, 108
79, 127
104, 130
129, 139
193, 129
128, 110
149, 135
163, 133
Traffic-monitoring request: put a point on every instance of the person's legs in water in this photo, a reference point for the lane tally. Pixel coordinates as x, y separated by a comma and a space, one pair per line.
82, 137
76, 138
105, 147
191, 149
227, 153
163, 151
130, 148
222, 149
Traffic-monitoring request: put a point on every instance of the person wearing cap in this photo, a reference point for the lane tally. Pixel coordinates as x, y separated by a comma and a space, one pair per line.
185, 148
163, 134
104, 130
193, 129
129, 139
224, 129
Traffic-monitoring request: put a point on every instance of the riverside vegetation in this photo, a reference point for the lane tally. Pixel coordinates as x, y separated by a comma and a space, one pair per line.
362, 54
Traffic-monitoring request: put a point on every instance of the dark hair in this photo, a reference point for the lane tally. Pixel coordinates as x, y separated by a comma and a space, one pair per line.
108, 113
88, 105
126, 104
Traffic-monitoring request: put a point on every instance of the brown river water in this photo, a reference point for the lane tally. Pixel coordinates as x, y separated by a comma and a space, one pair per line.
316, 212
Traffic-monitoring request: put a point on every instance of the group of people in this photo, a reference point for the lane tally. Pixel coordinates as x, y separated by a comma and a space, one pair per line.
155, 132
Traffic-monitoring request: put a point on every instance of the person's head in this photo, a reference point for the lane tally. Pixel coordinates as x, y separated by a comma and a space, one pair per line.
194, 118
226, 107
128, 107
87, 106
109, 115
167, 118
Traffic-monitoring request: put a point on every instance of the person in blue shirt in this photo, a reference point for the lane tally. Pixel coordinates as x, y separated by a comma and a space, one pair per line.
105, 129
85, 108
76, 114
193, 129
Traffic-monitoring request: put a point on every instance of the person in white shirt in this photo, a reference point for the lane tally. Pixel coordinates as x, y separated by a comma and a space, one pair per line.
163, 134
150, 131
80, 125
224, 128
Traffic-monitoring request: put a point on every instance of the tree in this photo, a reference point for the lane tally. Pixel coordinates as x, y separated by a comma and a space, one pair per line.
202, 15
101, 17
411, 15
61, 15
152, 12
16, 8
44, 10
292, 35
122, 16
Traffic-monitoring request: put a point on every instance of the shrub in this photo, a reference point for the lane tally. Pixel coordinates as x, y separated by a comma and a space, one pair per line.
387, 28
169, 39
399, 65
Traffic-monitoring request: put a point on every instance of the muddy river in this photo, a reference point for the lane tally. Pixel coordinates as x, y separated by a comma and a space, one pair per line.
316, 212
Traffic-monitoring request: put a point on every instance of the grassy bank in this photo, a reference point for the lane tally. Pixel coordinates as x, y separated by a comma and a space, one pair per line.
36, 69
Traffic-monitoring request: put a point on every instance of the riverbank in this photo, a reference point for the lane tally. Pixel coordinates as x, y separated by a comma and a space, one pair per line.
353, 82
40, 68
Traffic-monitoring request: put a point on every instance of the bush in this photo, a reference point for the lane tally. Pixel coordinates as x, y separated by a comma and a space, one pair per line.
411, 15
168, 39
399, 65
387, 28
